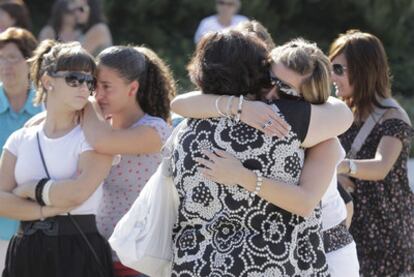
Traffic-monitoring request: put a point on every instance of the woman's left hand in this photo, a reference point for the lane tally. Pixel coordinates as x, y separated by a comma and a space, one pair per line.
221, 167
26, 190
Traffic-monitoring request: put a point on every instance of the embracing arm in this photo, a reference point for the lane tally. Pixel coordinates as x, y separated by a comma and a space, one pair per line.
254, 113
92, 170
12, 206
301, 199
327, 121
104, 139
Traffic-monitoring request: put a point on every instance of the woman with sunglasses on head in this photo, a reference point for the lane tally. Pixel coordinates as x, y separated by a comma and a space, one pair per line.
376, 173
302, 72
62, 24
230, 221
90, 18
49, 169
134, 91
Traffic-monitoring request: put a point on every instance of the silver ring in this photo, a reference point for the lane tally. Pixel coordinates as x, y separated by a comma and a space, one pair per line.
267, 124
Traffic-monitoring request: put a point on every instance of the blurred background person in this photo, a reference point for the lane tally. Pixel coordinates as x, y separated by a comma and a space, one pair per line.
91, 20
256, 28
383, 221
14, 13
226, 17
62, 25
16, 99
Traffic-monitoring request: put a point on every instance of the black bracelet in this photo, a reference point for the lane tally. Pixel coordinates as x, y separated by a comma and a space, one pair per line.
39, 191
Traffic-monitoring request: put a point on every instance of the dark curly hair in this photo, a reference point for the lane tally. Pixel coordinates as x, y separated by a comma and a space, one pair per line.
156, 83
230, 63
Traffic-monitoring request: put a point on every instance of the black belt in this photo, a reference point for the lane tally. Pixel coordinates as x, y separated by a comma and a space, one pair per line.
336, 237
59, 225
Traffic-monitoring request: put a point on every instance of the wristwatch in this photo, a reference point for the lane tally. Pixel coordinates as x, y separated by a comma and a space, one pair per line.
352, 167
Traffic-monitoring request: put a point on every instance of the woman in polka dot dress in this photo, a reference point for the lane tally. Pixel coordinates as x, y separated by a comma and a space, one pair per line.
134, 91
383, 222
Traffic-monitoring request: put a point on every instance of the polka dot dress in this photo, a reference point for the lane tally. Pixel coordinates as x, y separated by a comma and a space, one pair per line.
383, 221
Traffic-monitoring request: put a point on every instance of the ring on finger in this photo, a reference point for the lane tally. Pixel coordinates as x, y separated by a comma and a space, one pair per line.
267, 124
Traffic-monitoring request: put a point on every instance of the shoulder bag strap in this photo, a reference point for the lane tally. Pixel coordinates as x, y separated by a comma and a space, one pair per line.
100, 267
369, 124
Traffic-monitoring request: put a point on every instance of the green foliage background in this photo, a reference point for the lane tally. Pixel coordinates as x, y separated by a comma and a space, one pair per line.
168, 26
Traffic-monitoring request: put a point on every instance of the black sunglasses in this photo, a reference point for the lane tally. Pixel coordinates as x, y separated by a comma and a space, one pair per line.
76, 79
338, 69
283, 87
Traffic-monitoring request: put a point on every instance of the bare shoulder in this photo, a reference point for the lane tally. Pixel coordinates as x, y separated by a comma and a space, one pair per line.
98, 30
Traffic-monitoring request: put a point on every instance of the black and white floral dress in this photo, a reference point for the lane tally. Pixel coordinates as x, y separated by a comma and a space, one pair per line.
218, 233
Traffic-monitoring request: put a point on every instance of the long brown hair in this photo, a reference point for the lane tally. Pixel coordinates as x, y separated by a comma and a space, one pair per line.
368, 70
156, 83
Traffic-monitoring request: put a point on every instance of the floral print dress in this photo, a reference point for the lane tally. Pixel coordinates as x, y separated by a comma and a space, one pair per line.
219, 231
383, 221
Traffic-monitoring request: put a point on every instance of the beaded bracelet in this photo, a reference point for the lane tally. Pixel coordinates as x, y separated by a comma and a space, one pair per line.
259, 183
39, 191
239, 108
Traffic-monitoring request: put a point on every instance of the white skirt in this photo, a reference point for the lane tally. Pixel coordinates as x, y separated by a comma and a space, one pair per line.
343, 262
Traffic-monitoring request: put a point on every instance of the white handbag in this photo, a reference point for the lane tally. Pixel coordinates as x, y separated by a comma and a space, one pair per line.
142, 239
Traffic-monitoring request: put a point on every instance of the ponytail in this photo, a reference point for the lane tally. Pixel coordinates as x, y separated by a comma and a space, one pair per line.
157, 86
37, 68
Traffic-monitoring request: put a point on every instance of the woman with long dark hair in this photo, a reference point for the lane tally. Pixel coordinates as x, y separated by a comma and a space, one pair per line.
134, 91
62, 25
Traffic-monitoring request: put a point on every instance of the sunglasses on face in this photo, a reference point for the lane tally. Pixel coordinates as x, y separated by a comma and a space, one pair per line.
81, 9
224, 3
76, 79
338, 69
283, 87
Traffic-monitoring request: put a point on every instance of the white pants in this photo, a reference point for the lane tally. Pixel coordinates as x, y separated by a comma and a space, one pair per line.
343, 262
